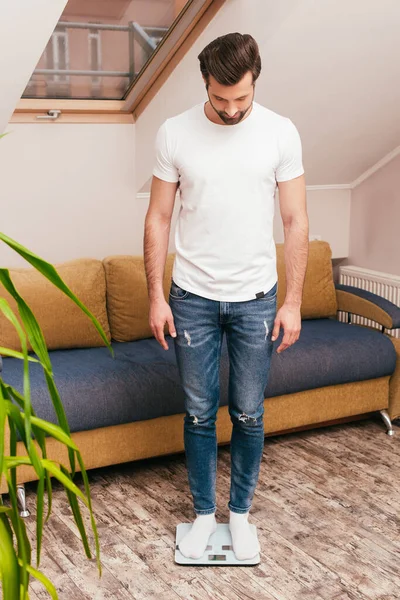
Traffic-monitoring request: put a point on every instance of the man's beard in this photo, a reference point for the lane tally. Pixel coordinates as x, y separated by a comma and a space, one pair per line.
228, 120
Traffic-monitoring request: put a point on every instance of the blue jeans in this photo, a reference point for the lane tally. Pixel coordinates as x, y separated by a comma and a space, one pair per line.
200, 324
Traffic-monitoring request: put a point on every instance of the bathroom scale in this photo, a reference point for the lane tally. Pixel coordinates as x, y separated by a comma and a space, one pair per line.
219, 550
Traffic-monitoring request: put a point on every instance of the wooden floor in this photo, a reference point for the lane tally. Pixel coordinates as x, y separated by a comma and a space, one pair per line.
326, 508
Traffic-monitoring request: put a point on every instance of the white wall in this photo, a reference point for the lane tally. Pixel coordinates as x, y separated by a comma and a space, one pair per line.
329, 217
68, 191
26, 27
375, 218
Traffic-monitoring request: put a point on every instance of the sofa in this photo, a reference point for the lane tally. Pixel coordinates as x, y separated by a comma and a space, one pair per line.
131, 406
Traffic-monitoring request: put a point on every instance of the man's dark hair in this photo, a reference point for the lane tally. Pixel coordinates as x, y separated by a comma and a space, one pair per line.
229, 57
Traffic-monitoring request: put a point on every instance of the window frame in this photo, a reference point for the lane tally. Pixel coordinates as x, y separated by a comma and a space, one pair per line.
190, 23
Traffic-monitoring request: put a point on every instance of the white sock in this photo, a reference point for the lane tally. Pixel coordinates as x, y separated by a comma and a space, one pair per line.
245, 544
194, 542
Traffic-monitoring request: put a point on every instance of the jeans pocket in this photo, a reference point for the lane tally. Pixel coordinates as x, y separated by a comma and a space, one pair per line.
176, 292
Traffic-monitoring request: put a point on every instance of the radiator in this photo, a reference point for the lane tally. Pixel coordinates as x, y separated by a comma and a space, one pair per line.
382, 284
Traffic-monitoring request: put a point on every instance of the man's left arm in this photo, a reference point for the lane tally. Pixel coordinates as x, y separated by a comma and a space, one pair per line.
292, 201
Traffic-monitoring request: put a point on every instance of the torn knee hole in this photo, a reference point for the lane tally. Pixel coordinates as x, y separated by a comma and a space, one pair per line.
187, 336
195, 419
246, 418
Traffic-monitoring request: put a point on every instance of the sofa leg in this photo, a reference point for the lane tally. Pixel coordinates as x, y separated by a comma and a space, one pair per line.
387, 421
21, 498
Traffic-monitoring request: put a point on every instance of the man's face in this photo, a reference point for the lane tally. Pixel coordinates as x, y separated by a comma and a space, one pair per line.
231, 102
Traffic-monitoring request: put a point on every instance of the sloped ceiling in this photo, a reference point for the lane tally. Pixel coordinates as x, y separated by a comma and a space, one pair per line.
332, 66
25, 30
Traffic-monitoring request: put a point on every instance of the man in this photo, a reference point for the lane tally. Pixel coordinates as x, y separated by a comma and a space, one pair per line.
227, 156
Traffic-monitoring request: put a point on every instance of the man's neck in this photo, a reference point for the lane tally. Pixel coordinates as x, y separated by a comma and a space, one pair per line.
213, 116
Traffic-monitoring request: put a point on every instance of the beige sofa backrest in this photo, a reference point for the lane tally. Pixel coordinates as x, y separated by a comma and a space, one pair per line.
63, 323
319, 294
128, 304
115, 291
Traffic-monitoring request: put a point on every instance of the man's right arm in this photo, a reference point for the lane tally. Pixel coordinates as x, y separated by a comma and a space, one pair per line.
156, 234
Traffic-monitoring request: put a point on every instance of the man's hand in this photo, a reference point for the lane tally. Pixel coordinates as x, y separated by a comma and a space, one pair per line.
288, 317
159, 314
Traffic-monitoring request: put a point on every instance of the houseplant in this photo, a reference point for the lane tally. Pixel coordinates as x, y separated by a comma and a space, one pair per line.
16, 409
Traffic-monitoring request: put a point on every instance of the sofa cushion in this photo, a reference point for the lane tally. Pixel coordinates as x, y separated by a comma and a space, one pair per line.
319, 294
142, 381
329, 352
63, 323
127, 296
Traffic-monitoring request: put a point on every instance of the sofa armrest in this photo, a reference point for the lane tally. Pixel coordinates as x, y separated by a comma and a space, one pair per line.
394, 382
366, 304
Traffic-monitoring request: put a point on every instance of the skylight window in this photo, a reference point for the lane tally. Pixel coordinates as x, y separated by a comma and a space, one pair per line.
97, 49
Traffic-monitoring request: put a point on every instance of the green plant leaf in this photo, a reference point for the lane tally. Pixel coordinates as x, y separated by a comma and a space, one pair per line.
71, 489
28, 550
14, 412
43, 579
9, 314
40, 437
32, 327
2, 430
13, 451
14, 461
4, 509
36, 339
16, 354
39, 518
27, 423
94, 528
26, 432
67, 483
55, 431
49, 271
60, 412
38, 343
23, 544
78, 518
8, 392
19, 417
8, 562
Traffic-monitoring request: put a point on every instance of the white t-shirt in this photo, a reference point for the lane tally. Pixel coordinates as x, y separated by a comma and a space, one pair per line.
224, 242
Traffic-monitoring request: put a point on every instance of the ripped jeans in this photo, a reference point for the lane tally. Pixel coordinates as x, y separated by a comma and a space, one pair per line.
200, 324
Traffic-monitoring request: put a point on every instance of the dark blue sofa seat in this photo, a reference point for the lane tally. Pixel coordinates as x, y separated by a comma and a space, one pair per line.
142, 381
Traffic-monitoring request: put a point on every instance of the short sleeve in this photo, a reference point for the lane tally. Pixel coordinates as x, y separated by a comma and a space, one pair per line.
290, 150
164, 167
